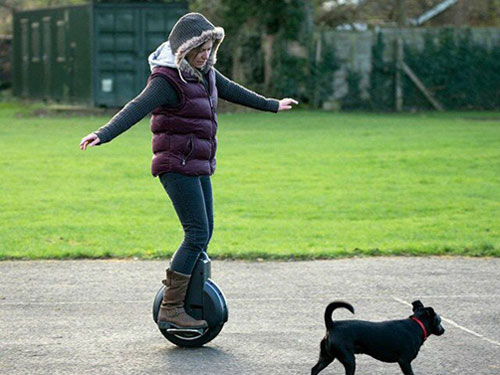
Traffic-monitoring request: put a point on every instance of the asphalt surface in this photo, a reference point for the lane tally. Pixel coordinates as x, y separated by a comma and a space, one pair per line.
94, 317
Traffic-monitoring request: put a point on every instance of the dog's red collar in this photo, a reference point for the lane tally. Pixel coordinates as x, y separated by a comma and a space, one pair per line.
421, 326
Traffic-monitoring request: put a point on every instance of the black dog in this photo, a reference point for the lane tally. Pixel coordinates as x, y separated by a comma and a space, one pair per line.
391, 341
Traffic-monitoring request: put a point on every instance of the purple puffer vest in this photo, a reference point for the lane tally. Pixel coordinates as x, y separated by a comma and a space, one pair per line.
184, 136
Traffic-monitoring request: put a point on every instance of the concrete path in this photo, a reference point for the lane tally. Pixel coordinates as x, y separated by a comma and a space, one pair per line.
94, 317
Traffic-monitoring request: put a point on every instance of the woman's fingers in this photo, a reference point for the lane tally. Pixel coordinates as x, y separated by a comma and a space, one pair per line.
84, 143
89, 141
286, 104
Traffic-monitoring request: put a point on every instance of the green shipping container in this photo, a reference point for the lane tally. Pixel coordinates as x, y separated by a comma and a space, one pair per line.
94, 54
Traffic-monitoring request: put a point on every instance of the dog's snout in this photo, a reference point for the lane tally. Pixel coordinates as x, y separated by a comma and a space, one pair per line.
440, 331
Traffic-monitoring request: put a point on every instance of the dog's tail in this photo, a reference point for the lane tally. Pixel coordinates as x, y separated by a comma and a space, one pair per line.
332, 306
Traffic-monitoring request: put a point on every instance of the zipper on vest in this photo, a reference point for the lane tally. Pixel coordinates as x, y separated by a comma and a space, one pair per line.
190, 147
212, 112
209, 94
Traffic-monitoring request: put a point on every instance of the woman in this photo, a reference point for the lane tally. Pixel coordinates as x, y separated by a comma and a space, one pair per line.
182, 93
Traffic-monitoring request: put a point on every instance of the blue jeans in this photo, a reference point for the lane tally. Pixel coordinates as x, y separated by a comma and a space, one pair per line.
193, 203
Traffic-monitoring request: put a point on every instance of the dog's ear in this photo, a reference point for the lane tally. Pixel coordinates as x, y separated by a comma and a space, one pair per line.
417, 305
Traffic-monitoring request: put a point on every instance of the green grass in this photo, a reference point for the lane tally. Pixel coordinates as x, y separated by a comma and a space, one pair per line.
296, 184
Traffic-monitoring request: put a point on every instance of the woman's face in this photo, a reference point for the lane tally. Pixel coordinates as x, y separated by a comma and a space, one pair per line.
198, 56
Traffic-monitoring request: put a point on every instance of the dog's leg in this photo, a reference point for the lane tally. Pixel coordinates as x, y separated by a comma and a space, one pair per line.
325, 358
349, 362
322, 363
406, 368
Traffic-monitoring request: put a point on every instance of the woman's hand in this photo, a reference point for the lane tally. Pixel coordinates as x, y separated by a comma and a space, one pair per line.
89, 141
286, 104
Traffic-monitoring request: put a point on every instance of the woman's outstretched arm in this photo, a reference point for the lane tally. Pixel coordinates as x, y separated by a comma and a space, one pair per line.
158, 92
235, 93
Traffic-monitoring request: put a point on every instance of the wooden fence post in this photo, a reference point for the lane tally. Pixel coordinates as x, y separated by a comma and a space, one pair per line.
398, 87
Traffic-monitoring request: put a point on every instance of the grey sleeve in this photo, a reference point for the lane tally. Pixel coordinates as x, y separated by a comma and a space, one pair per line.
156, 93
235, 93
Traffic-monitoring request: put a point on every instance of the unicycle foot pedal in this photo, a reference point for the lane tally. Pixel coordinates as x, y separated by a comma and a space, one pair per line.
181, 331
187, 332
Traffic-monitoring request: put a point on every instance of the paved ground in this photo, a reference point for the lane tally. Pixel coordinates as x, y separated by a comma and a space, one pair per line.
94, 317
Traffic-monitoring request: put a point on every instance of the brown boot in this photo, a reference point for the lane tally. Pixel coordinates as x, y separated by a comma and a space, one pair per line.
172, 306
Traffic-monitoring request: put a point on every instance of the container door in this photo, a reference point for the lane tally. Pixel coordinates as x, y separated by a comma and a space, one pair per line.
117, 41
47, 56
60, 82
25, 57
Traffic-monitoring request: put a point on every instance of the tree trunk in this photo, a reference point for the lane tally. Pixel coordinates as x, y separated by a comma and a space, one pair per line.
402, 13
238, 75
267, 49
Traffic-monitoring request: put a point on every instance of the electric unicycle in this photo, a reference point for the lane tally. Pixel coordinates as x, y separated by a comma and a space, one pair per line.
204, 300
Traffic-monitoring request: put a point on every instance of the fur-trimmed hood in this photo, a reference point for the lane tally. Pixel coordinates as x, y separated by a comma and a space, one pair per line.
192, 30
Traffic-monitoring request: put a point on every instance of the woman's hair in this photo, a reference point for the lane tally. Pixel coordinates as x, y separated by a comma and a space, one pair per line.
198, 48
195, 51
